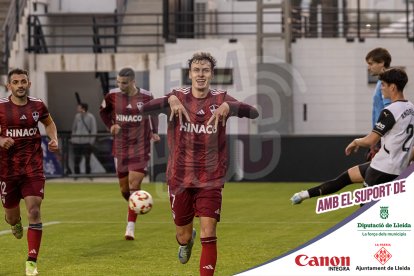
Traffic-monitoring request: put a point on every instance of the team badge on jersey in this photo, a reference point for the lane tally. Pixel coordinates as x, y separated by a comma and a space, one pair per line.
35, 116
213, 108
139, 105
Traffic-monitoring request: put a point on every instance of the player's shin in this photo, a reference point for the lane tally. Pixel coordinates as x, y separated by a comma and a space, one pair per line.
208, 257
34, 237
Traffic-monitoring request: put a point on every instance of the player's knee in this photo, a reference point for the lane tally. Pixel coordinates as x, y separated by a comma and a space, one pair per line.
184, 237
34, 214
12, 220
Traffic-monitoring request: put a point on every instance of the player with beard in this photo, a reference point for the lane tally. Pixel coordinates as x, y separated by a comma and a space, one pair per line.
198, 158
21, 160
120, 111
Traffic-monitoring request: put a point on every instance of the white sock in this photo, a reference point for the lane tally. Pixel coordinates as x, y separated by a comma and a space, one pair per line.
131, 224
304, 194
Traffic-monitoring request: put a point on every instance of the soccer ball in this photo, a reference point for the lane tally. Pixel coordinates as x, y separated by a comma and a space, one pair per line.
140, 202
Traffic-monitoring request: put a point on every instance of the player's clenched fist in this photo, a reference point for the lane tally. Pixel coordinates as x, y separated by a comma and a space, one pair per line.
6, 142
53, 145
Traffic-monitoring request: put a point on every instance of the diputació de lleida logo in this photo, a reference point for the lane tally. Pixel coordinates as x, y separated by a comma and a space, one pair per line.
384, 212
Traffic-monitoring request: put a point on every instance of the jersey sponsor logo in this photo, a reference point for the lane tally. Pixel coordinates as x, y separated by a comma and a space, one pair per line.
21, 132
379, 126
23, 117
35, 116
128, 118
196, 128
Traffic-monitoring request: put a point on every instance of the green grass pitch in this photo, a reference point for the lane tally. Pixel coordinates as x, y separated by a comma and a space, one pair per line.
84, 224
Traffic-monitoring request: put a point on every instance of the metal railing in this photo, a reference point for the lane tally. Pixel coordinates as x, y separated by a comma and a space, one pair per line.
98, 33
137, 32
62, 164
10, 29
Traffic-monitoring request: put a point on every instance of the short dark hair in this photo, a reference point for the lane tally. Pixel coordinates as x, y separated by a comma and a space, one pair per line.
379, 55
16, 71
84, 106
199, 56
127, 72
395, 76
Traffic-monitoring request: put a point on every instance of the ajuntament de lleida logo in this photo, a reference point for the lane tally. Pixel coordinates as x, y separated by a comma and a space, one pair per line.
384, 212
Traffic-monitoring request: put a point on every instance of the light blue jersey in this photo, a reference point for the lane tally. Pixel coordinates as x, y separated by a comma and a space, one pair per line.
378, 103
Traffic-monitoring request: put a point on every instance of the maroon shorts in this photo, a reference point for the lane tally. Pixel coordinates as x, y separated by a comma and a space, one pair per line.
187, 203
126, 165
12, 190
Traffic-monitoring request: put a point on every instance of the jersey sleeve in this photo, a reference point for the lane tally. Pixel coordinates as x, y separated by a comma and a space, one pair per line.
240, 109
154, 121
385, 122
156, 106
105, 111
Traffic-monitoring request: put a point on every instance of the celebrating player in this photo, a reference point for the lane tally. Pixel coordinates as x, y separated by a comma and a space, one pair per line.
21, 160
120, 111
198, 156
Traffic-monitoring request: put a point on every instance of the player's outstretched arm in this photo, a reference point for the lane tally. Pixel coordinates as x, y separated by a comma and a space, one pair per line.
366, 142
155, 106
164, 105
241, 109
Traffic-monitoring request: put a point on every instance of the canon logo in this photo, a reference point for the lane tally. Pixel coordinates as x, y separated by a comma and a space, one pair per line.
304, 260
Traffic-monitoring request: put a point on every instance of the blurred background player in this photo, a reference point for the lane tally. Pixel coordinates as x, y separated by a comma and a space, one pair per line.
378, 60
120, 111
21, 160
198, 159
83, 137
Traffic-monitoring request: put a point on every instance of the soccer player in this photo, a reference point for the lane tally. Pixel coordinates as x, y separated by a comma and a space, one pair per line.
378, 60
395, 130
120, 111
198, 158
21, 160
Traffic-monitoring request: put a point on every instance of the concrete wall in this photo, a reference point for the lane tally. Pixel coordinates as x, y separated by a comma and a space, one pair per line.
333, 82
329, 76
81, 6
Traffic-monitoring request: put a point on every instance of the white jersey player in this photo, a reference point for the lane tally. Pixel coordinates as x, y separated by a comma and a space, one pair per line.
395, 128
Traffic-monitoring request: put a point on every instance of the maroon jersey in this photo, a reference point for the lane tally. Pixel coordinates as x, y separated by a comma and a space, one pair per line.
20, 122
133, 140
197, 151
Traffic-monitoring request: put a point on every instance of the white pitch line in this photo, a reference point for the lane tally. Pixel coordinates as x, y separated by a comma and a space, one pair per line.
222, 222
4, 232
